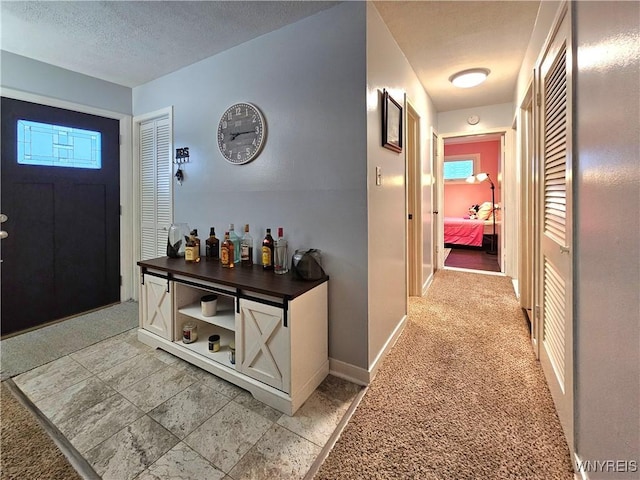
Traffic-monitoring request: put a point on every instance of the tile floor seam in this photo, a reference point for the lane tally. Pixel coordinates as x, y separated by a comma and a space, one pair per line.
301, 434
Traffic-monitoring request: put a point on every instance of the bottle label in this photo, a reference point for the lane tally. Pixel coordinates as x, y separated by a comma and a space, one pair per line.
189, 254
224, 255
244, 252
266, 256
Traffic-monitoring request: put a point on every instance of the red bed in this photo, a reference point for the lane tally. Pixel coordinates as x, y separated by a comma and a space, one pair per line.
462, 231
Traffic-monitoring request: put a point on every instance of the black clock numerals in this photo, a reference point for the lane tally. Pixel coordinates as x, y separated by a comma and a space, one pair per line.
241, 133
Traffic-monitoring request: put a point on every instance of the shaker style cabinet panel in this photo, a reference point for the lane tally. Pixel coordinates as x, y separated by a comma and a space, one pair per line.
263, 351
156, 307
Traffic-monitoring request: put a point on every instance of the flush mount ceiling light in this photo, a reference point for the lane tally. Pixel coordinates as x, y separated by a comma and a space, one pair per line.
469, 78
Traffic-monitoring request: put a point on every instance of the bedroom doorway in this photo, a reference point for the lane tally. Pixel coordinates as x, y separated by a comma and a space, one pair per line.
471, 214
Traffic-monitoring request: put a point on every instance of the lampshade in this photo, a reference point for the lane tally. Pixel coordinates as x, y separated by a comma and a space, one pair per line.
469, 78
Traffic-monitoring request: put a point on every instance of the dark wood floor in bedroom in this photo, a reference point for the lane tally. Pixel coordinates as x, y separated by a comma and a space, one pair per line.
472, 259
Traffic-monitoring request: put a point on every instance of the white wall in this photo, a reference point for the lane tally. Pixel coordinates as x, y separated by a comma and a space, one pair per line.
607, 257
309, 80
27, 75
491, 116
388, 68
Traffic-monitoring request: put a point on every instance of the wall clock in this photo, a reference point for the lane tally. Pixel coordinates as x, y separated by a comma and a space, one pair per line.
241, 133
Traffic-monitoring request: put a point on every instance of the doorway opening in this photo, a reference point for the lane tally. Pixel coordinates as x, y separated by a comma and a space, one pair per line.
472, 193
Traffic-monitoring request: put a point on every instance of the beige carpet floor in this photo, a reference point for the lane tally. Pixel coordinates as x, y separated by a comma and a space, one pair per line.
27, 451
460, 395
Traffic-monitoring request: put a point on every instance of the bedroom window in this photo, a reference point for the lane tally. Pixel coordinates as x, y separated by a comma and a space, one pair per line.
58, 146
457, 168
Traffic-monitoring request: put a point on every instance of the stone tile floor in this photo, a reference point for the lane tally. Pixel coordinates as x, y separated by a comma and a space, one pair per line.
134, 412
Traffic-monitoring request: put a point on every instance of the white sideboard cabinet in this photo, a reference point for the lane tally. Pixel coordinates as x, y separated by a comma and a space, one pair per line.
279, 325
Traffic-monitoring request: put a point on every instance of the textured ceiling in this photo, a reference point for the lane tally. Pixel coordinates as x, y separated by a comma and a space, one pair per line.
442, 38
133, 42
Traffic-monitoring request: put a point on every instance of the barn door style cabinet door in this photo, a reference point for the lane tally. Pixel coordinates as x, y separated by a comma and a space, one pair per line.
279, 326
264, 349
156, 307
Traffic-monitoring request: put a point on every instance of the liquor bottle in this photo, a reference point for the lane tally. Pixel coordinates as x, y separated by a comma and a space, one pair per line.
281, 263
246, 248
212, 246
226, 252
191, 250
235, 239
197, 240
267, 251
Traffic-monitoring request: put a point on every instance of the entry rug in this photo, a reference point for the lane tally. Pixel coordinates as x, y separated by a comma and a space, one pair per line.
29, 350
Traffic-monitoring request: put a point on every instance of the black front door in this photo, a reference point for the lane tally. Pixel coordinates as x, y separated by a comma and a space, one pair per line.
60, 192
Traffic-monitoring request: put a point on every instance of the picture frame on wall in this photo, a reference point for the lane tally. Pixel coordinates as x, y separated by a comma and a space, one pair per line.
391, 123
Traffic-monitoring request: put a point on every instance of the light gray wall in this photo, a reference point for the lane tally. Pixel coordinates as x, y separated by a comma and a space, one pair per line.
31, 76
309, 80
607, 187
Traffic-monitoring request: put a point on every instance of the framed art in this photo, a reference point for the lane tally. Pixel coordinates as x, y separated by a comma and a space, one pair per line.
391, 123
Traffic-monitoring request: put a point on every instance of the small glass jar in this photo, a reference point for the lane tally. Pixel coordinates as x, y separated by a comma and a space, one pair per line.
232, 352
214, 343
189, 332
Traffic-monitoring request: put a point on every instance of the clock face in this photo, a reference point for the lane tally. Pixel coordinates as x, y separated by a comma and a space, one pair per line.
241, 133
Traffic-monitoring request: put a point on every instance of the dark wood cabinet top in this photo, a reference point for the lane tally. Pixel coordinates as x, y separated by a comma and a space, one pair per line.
253, 278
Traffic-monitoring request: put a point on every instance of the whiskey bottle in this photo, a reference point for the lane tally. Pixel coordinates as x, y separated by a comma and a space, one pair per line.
235, 239
226, 252
267, 251
197, 243
246, 248
281, 263
212, 246
191, 250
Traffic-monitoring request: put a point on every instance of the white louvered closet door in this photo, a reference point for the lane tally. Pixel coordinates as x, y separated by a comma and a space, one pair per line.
156, 203
554, 265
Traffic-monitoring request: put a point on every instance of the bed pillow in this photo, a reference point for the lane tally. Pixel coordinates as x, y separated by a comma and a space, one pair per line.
484, 211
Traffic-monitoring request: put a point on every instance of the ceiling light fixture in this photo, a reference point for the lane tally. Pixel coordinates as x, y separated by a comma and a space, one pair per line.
469, 78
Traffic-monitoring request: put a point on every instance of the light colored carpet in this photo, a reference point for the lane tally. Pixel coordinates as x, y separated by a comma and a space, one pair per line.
26, 449
460, 395
29, 350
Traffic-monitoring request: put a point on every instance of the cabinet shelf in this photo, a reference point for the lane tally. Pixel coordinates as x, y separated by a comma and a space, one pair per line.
201, 346
224, 318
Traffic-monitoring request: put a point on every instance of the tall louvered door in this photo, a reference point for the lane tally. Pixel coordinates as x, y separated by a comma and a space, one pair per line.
555, 232
156, 204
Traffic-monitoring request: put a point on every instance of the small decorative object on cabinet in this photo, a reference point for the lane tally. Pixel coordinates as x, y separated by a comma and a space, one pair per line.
391, 123
273, 331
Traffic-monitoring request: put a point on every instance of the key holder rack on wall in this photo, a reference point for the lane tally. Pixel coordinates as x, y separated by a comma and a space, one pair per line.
182, 156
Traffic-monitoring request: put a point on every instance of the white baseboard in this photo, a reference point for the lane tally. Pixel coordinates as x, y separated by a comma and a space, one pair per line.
580, 474
427, 284
361, 376
348, 372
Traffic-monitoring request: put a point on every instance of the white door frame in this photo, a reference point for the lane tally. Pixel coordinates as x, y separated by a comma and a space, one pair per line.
413, 201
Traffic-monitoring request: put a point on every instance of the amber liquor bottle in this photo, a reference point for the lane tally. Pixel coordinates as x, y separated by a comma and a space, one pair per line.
226, 252
267, 251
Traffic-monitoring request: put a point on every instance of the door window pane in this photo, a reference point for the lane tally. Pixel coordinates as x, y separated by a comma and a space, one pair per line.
58, 146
